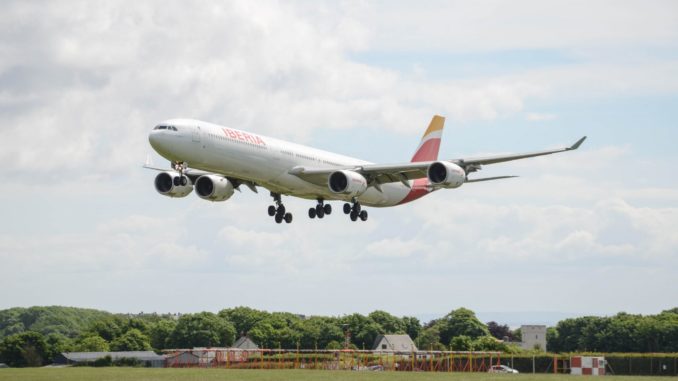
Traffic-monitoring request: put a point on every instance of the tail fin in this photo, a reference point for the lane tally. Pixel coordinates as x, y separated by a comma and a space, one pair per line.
430, 142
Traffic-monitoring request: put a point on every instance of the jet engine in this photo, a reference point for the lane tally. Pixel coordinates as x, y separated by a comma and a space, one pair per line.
347, 182
164, 184
213, 188
445, 174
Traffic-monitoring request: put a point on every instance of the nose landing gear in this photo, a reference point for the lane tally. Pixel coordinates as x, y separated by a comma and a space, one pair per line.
180, 167
277, 211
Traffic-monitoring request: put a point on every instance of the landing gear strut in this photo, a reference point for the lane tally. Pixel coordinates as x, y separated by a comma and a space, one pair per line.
355, 211
320, 210
277, 211
180, 167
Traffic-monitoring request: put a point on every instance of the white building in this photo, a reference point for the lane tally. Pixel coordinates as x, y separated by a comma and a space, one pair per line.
397, 343
534, 337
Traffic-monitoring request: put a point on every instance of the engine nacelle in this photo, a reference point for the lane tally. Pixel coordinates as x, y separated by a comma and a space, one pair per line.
164, 184
446, 174
347, 182
213, 188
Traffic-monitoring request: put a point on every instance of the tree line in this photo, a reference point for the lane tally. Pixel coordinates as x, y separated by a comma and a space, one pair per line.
619, 333
34, 336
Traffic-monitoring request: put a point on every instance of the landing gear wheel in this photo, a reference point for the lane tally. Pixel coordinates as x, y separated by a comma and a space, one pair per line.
354, 216
347, 208
184, 181
277, 211
311, 213
176, 181
328, 209
363, 215
320, 211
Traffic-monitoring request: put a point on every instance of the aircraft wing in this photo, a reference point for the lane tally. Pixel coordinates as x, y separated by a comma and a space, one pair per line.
377, 174
509, 157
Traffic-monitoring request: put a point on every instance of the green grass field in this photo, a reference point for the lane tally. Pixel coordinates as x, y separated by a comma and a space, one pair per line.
144, 374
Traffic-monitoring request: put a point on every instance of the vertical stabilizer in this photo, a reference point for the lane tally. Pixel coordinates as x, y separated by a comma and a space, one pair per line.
430, 142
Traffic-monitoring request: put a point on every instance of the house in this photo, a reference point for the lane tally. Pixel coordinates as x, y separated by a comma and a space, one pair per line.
148, 358
396, 343
182, 359
245, 343
534, 337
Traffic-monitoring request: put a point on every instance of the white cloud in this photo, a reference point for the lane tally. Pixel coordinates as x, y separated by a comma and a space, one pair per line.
97, 76
499, 26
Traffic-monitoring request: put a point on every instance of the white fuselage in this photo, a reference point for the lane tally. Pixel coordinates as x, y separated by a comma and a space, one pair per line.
261, 160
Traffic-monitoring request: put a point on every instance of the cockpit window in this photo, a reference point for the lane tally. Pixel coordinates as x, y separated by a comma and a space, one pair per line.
163, 127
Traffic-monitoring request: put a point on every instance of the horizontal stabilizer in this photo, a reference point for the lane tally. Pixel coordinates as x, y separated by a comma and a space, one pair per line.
489, 178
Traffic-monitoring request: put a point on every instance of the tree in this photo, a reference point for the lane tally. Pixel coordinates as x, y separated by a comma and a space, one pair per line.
460, 322
132, 340
389, 324
108, 327
56, 344
160, 332
318, 332
243, 318
500, 331
429, 339
203, 329
412, 326
93, 343
67, 321
490, 343
24, 349
276, 331
461, 343
364, 331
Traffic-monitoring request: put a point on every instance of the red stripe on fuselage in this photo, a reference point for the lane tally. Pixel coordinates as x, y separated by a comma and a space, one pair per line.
419, 189
428, 151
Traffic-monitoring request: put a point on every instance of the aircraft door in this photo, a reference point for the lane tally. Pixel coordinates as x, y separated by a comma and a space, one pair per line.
196, 135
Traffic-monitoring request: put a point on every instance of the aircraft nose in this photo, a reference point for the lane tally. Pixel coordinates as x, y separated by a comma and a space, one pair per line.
154, 138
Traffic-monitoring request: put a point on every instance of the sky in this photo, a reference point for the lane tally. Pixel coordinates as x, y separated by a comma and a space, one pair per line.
585, 232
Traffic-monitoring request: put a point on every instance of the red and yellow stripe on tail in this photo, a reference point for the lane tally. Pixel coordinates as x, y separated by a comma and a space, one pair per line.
427, 151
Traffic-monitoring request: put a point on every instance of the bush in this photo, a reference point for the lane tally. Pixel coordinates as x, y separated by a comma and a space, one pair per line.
128, 361
103, 361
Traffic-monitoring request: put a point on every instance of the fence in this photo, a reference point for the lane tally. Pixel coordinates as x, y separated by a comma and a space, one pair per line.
616, 363
431, 361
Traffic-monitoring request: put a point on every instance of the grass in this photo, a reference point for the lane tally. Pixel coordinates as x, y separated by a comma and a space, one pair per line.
170, 374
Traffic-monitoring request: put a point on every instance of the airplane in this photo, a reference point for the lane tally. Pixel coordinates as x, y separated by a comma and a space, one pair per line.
216, 160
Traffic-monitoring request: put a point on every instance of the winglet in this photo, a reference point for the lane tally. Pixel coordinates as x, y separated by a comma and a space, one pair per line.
577, 144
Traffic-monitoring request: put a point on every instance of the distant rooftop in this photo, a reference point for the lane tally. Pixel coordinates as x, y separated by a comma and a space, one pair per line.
91, 356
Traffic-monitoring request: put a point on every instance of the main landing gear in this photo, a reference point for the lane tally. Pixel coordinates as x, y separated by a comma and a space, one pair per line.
355, 211
278, 211
320, 210
180, 167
